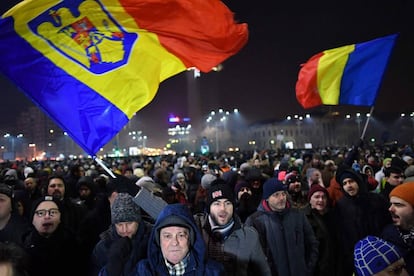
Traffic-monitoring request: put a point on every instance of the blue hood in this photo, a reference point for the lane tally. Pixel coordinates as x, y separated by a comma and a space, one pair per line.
197, 251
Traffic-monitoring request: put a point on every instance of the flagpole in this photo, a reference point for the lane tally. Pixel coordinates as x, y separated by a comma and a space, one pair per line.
102, 164
366, 123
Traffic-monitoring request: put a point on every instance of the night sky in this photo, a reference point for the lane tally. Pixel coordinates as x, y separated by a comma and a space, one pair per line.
260, 79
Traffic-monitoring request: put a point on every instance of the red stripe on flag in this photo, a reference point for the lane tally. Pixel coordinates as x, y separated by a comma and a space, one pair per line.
307, 92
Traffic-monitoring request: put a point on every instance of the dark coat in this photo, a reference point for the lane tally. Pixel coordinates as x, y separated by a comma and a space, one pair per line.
197, 264
392, 234
15, 229
287, 239
95, 222
324, 229
138, 252
357, 217
55, 255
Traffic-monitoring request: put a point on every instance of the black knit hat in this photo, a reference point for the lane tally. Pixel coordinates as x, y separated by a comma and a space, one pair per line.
6, 190
46, 198
219, 189
348, 173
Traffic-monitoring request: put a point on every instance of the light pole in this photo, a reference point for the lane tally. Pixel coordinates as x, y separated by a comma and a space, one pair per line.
358, 120
33, 146
219, 120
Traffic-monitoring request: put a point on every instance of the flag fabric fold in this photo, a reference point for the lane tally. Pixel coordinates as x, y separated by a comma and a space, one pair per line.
92, 64
348, 75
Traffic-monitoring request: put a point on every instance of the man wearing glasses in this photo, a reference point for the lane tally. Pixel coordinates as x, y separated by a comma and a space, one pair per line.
52, 248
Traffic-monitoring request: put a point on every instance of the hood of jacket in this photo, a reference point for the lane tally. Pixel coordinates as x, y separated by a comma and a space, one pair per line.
197, 249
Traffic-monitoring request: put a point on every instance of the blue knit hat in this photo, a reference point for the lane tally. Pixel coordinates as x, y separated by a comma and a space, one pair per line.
271, 186
372, 255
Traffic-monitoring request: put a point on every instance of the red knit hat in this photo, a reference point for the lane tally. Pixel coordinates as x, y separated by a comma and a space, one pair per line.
317, 188
404, 191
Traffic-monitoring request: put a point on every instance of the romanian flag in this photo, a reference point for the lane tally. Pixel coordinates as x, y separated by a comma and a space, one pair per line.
92, 64
348, 75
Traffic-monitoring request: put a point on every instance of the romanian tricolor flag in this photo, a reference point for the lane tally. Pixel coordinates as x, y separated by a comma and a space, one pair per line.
92, 64
348, 75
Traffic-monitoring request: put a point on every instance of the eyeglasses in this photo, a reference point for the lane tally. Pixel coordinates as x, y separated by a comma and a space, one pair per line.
51, 212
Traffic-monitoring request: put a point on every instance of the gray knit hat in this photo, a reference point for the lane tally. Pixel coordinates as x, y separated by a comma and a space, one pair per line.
124, 209
207, 179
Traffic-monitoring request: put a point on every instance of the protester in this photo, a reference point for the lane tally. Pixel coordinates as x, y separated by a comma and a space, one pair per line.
86, 189
31, 192
51, 247
321, 218
286, 236
74, 213
75, 172
12, 225
245, 206
380, 175
124, 244
374, 256
236, 246
401, 232
394, 176
297, 196
13, 260
358, 213
176, 247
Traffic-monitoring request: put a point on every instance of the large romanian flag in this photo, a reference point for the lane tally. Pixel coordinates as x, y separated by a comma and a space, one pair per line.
348, 75
92, 64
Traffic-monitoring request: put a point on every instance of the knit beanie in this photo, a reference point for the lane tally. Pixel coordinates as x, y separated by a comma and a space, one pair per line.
317, 188
124, 209
344, 173
240, 185
372, 255
291, 178
404, 191
219, 189
36, 203
271, 186
6, 190
207, 179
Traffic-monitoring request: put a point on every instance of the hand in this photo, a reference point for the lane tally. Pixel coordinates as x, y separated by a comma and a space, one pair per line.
118, 255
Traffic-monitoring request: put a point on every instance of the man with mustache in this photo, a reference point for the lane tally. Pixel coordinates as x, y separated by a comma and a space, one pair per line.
236, 246
401, 232
358, 213
74, 213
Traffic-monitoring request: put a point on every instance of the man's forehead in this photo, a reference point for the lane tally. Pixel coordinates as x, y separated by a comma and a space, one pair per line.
3, 196
55, 181
46, 204
395, 199
222, 200
174, 229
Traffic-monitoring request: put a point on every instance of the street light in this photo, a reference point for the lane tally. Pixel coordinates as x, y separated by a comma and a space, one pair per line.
219, 119
33, 146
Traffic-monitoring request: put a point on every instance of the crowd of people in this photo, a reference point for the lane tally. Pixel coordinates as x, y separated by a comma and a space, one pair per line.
321, 212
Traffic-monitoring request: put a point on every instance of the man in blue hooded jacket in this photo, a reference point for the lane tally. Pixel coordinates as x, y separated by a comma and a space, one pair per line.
176, 247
